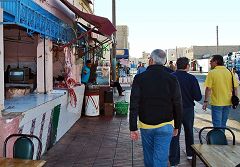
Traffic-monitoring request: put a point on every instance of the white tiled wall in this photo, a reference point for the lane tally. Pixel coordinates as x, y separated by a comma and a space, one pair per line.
68, 116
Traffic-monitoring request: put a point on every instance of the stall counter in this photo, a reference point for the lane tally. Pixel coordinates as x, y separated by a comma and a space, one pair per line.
48, 116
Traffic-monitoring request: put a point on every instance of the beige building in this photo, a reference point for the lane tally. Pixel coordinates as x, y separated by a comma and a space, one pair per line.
200, 52
84, 5
144, 58
174, 54
122, 37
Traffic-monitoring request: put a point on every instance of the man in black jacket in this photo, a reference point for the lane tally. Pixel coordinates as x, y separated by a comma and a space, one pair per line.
190, 90
156, 99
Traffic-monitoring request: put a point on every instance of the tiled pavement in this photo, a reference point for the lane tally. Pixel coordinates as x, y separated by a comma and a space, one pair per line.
104, 142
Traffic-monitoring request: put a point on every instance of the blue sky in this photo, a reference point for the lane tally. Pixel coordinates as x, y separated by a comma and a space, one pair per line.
174, 23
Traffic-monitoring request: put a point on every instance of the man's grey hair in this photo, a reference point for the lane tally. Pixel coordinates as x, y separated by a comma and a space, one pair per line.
159, 56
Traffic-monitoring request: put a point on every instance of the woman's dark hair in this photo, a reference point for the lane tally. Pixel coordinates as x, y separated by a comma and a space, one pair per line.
218, 59
182, 63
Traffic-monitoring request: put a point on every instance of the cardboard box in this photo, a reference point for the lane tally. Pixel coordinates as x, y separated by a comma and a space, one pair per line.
108, 109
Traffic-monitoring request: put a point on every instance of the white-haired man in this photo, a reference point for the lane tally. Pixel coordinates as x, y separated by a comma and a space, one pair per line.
156, 99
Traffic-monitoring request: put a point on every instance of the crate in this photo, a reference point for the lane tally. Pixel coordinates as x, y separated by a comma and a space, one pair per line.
121, 107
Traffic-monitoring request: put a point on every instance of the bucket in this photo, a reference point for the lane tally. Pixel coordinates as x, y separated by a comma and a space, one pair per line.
92, 104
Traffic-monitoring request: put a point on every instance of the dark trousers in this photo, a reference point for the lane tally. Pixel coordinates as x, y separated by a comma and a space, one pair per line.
187, 122
117, 84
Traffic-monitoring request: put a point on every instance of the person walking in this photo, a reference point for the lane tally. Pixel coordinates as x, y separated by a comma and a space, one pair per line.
190, 91
141, 69
118, 86
156, 99
219, 86
235, 74
86, 72
172, 66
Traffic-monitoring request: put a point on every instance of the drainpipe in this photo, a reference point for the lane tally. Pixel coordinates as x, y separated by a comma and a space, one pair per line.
44, 64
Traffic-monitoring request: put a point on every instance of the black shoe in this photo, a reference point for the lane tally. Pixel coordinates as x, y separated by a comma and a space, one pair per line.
121, 95
123, 90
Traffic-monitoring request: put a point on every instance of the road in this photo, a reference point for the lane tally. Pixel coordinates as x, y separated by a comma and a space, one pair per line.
234, 114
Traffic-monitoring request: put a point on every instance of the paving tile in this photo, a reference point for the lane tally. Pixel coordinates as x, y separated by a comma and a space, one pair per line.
104, 142
97, 147
84, 162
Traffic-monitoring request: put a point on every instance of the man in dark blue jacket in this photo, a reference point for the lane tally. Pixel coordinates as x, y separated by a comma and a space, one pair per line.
190, 91
156, 99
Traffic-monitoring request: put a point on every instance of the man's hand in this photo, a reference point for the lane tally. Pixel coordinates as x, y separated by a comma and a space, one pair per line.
207, 95
134, 135
175, 132
204, 106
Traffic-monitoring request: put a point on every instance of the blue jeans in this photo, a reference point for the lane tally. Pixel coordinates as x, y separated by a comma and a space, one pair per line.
187, 122
156, 143
220, 115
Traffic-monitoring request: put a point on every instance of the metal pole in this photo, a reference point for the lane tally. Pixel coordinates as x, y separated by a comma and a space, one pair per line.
93, 6
176, 53
44, 64
132, 153
113, 55
217, 38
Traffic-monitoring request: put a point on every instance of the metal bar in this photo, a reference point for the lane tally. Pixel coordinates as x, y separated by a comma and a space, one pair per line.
113, 57
7, 23
44, 64
74, 40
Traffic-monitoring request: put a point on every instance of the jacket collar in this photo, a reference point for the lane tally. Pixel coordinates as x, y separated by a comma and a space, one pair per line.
181, 71
155, 67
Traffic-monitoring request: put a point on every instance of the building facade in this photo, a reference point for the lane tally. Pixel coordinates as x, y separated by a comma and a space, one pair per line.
174, 54
122, 37
200, 52
144, 58
42, 50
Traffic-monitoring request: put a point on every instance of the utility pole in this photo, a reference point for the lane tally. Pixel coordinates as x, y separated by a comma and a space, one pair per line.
113, 55
93, 6
176, 53
217, 38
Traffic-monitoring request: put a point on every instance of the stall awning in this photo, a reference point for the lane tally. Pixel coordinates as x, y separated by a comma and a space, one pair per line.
103, 24
87, 28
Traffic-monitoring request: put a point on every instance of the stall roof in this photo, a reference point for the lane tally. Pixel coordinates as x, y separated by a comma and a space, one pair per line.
103, 24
